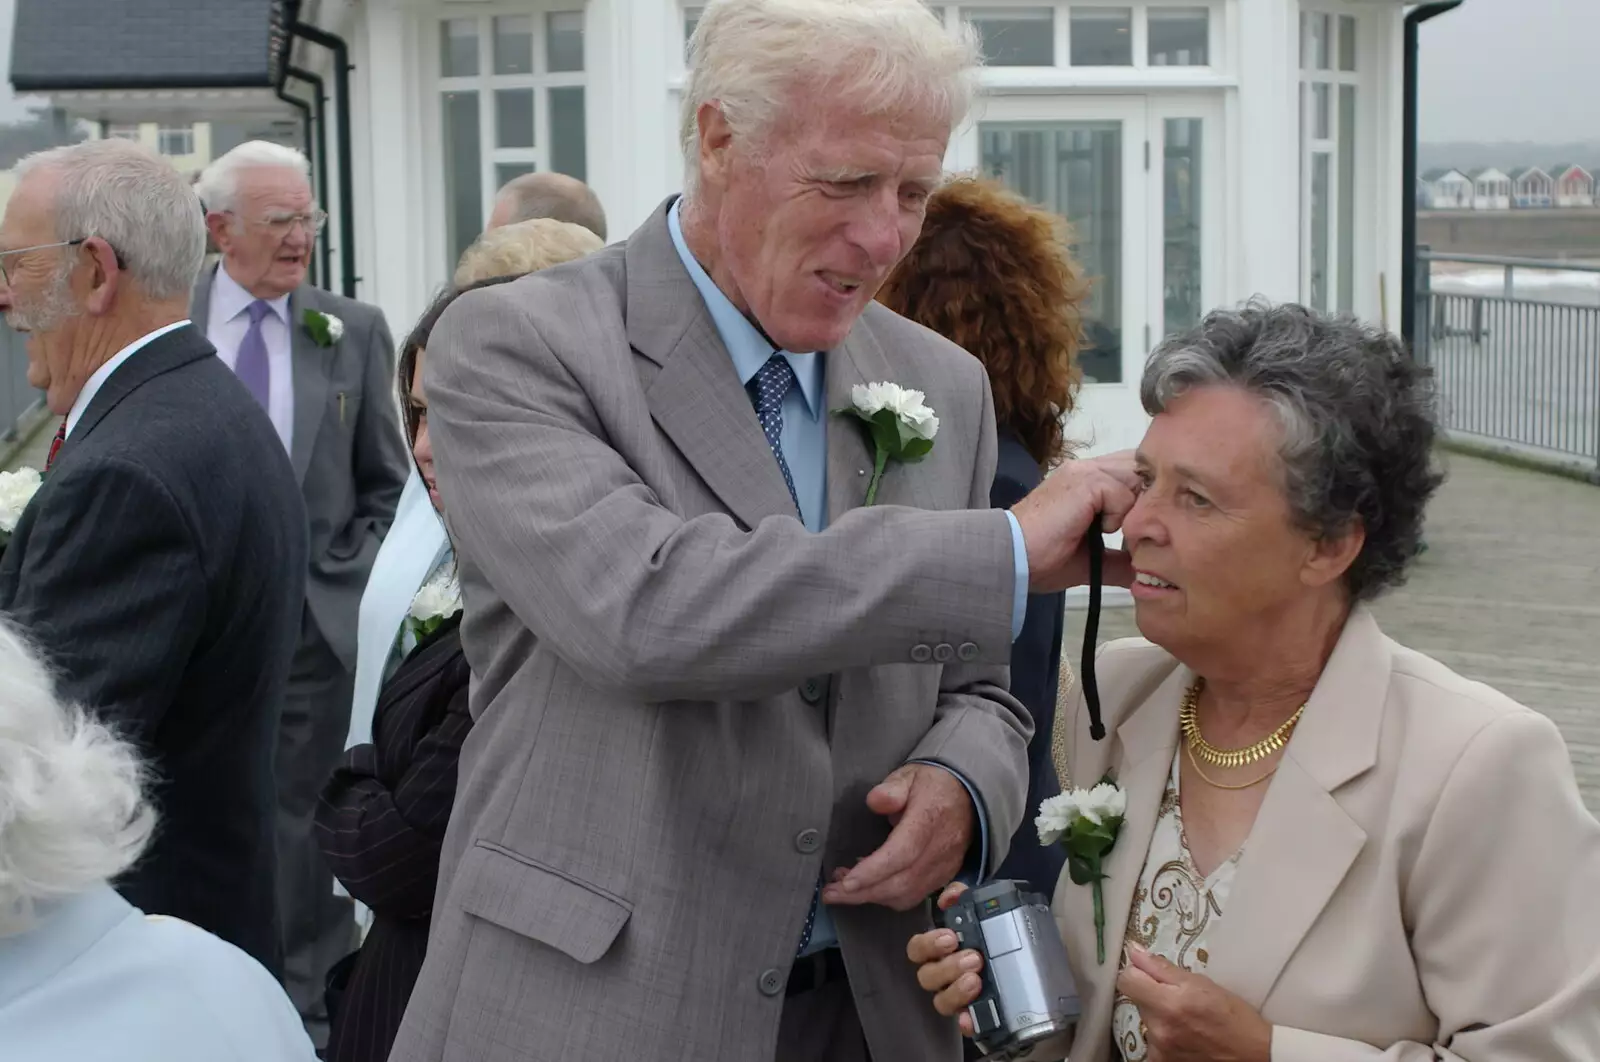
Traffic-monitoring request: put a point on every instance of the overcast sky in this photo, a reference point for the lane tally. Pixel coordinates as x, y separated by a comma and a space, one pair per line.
1511, 70
1491, 70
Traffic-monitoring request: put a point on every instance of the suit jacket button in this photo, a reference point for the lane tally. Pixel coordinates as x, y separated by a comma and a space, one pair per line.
807, 841
968, 652
770, 983
944, 652
921, 654
813, 690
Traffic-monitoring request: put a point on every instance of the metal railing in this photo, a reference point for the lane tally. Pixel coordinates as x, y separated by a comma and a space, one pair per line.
18, 399
1517, 372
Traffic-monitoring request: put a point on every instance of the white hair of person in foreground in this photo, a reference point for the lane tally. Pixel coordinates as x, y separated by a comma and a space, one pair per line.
73, 813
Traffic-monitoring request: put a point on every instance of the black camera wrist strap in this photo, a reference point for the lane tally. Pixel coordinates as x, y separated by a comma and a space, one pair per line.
1091, 628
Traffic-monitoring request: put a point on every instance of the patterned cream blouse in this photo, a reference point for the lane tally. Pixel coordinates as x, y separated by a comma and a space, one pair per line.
1173, 914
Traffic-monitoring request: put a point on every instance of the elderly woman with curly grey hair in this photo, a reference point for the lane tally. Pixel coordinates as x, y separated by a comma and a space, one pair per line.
84, 975
1334, 848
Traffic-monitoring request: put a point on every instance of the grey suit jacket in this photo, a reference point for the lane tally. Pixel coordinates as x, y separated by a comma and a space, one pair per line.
349, 451
682, 696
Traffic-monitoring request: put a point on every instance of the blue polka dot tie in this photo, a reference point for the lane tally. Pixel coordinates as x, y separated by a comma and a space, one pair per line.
768, 389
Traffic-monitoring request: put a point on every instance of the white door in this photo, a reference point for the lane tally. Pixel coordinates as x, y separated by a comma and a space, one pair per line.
1083, 157
1137, 179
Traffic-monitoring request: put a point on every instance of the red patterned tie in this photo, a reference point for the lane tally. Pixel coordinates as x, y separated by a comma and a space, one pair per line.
55, 444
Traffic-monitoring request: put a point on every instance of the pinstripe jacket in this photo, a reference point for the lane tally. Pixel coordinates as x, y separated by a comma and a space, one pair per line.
381, 822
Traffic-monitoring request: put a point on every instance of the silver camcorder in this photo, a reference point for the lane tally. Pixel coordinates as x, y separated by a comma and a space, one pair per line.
1028, 990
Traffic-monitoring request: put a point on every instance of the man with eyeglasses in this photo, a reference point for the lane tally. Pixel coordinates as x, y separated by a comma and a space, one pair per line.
323, 368
160, 566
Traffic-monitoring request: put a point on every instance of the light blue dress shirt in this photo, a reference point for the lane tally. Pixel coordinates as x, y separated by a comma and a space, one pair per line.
97, 981
805, 447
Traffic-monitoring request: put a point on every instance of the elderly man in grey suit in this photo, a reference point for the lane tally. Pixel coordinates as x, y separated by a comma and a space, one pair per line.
323, 368
733, 725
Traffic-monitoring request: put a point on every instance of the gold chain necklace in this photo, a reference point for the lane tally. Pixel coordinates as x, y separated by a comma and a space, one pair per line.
1213, 783
1188, 721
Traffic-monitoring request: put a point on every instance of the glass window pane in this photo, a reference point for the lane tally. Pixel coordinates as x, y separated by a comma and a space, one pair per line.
1321, 111
458, 47
506, 172
1015, 36
1180, 36
564, 41
1321, 29
463, 176
1181, 210
513, 118
1075, 169
1347, 197
1101, 36
513, 44
1347, 42
1320, 179
568, 150
691, 19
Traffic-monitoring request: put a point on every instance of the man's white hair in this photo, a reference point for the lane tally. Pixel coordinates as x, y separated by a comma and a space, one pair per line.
218, 185
133, 199
758, 58
72, 806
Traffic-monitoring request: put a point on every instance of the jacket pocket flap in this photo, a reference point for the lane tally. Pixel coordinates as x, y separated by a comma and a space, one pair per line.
539, 902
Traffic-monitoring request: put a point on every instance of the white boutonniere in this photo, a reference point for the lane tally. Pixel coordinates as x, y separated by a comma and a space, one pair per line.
16, 491
437, 601
325, 328
898, 423
1086, 822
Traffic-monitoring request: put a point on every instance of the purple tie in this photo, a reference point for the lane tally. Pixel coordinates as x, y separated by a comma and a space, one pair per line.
252, 368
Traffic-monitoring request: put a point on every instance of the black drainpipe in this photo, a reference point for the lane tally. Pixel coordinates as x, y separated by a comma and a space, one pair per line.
1408, 167
320, 96
341, 102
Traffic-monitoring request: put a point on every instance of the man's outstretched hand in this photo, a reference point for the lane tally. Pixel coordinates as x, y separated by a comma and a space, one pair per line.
933, 820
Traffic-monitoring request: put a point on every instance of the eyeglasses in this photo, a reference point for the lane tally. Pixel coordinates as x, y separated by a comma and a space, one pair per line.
5, 274
280, 225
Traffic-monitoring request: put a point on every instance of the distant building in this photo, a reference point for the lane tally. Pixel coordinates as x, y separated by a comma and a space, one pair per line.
1448, 190
1491, 189
1532, 188
1574, 186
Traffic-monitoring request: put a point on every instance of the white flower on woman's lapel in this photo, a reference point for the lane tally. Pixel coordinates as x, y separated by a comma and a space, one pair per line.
437, 601
16, 491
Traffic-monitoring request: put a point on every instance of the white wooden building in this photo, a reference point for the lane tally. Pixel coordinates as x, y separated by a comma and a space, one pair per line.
1491, 189
1205, 150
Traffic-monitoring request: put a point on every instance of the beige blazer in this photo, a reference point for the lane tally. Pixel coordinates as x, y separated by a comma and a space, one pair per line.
1422, 881
682, 696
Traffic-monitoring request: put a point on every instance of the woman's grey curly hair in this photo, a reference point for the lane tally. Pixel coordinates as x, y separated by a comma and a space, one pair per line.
72, 806
1358, 418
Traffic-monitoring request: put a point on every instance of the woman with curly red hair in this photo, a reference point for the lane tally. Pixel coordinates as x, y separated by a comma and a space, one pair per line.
993, 273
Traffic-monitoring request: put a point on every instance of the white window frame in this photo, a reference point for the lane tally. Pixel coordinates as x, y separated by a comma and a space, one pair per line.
485, 83
123, 131
184, 134
1311, 145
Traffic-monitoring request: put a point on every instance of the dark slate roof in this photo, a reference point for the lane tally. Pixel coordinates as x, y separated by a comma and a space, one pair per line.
146, 44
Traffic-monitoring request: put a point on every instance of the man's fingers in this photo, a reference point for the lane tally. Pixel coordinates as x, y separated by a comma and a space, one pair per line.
952, 892
940, 975
1122, 466
931, 946
899, 892
894, 857
1159, 969
889, 796
959, 996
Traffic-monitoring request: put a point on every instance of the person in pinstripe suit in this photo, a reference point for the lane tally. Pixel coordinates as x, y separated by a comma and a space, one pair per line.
382, 816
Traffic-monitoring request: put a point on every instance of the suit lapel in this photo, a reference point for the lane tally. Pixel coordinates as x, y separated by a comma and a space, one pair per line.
859, 360
696, 397
1303, 843
311, 375
1146, 742
200, 303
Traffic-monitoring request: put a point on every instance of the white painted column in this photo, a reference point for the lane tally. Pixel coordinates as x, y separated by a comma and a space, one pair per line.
389, 154
631, 113
1266, 149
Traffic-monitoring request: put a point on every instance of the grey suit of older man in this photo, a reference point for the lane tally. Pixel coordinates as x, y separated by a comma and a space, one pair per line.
349, 456
682, 696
